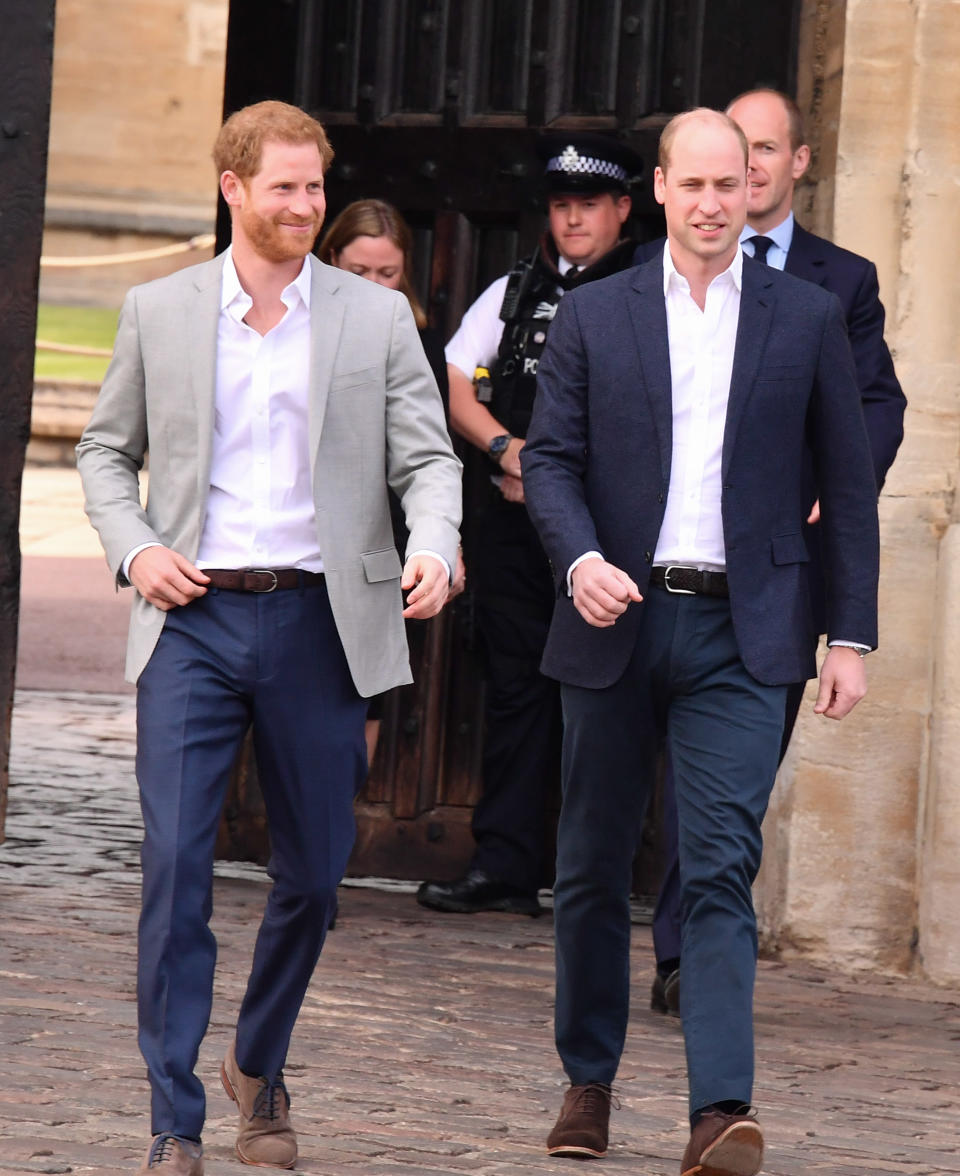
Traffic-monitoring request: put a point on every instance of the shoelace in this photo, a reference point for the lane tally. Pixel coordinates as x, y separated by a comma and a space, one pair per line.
162, 1149
593, 1095
266, 1105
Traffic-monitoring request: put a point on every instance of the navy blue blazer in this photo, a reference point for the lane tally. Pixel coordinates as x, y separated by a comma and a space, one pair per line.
854, 281
596, 467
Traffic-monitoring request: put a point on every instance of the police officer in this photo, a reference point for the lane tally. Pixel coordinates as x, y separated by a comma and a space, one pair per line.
492, 364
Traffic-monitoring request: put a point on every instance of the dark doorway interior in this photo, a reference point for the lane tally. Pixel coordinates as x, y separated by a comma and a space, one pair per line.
435, 105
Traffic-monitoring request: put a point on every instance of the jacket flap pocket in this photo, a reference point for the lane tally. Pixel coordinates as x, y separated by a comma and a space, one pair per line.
381, 565
788, 549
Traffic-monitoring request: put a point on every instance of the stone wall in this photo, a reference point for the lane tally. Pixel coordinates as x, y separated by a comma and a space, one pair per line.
126, 156
863, 839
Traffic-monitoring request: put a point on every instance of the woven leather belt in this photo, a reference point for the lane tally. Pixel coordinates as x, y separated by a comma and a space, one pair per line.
690, 581
261, 579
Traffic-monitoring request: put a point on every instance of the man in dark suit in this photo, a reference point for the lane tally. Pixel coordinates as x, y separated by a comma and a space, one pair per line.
778, 158
664, 473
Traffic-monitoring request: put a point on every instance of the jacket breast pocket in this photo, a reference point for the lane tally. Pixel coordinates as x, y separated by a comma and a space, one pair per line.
789, 549
381, 565
342, 381
775, 372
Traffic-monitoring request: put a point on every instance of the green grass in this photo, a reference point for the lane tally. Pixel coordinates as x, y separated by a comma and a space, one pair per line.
84, 326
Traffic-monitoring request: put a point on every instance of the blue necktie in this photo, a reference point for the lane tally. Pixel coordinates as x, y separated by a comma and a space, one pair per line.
760, 247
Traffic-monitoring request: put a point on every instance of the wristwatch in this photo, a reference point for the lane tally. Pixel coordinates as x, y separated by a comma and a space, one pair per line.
498, 447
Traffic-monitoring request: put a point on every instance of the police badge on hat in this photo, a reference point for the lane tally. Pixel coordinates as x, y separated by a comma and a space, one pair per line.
582, 162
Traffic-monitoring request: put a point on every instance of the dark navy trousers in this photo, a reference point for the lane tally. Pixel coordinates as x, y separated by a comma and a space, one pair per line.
686, 683
667, 918
224, 663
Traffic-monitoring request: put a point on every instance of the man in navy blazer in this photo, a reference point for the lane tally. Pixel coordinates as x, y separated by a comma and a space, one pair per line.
664, 473
779, 157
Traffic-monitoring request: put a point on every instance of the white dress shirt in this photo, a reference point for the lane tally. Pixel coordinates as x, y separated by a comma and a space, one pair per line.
701, 346
260, 509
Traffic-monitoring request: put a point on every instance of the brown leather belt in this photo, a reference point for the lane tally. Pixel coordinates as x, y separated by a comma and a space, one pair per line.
690, 581
261, 579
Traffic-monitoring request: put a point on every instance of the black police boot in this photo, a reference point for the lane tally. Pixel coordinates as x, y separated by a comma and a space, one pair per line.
477, 891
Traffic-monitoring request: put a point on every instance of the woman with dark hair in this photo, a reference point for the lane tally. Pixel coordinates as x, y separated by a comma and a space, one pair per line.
371, 239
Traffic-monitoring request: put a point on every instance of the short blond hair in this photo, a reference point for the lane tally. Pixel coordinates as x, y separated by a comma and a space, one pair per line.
698, 114
239, 145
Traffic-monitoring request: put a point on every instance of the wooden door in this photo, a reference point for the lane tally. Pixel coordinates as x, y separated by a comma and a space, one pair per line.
26, 61
435, 105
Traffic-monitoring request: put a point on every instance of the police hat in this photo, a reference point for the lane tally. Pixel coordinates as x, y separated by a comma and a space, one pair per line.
582, 162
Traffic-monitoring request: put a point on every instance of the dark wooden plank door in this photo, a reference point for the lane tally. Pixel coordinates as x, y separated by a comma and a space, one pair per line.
435, 105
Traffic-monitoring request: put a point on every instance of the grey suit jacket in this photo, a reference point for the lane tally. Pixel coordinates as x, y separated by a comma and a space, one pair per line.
375, 419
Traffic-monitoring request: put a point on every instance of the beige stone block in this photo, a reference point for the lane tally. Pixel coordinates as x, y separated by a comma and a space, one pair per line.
939, 888
137, 94
206, 32
926, 464
875, 125
840, 857
850, 885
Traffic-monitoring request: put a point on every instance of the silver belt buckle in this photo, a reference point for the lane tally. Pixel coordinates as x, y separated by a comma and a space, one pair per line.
666, 581
265, 572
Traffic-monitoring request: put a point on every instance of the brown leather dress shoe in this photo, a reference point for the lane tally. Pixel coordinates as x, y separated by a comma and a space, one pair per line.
170, 1156
724, 1145
265, 1136
582, 1128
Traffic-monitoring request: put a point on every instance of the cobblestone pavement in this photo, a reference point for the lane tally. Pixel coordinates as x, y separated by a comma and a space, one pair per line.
425, 1043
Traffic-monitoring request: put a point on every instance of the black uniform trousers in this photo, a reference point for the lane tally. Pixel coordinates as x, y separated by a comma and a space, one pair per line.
515, 595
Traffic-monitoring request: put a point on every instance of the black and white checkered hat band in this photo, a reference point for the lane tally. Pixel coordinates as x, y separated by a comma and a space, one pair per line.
573, 164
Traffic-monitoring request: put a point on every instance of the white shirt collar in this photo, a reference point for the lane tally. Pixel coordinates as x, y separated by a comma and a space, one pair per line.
670, 272
231, 292
781, 235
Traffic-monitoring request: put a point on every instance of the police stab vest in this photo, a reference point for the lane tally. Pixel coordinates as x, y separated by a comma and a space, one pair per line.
534, 289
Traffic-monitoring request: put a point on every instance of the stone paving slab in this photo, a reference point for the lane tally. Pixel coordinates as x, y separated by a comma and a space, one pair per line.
424, 1046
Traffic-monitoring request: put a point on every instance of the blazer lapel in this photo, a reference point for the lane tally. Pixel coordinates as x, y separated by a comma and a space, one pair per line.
756, 312
326, 323
202, 319
648, 316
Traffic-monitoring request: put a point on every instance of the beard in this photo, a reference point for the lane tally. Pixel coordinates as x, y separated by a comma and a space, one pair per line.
272, 242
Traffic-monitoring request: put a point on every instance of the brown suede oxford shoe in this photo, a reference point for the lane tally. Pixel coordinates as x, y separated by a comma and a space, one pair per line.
724, 1145
582, 1128
170, 1156
265, 1136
